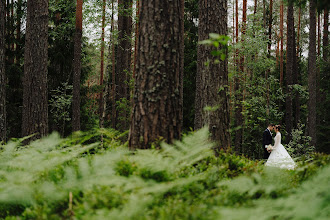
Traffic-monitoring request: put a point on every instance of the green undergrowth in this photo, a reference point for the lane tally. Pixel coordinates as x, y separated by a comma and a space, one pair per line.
83, 178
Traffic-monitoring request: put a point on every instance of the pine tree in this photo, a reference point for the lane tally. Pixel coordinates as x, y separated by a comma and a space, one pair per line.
157, 105
77, 68
35, 100
101, 99
326, 35
212, 79
3, 128
290, 69
312, 73
123, 58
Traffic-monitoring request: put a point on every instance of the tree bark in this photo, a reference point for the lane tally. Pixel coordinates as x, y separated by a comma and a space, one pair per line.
35, 100
281, 38
157, 108
101, 103
326, 35
123, 62
213, 78
318, 34
239, 92
269, 52
77, 69
290, 69
113, 72
3, 124
136, 35
312, 73
298, 31
19, 15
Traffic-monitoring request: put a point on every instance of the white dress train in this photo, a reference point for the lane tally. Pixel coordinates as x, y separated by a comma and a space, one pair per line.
279, 157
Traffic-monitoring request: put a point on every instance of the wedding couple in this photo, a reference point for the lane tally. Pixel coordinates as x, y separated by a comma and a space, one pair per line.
276, 155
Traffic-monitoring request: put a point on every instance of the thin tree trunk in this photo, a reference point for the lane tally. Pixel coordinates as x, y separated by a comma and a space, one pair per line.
312, 74
101, 104
136, 35
278, 49
3, 124
113, 61
318, 34
123, 62
77, 69
326, 35
12, 33
290, 69
270, 27
269, 51
255, 7
240, 92
237, 82
18, 31
298, 32
281, 37
296, 76
157, 109
35, 100
264, 12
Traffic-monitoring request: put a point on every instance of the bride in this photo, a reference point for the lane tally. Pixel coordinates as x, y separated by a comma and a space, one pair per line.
279, 157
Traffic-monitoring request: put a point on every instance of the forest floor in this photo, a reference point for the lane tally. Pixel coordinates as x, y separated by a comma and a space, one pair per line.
80, 178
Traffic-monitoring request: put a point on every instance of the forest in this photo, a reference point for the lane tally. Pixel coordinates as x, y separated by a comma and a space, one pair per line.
155, 109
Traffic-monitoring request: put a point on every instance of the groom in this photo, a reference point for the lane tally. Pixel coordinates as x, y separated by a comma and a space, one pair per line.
267, 139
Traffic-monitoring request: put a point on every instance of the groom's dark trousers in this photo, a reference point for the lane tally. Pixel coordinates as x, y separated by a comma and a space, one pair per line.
266, 140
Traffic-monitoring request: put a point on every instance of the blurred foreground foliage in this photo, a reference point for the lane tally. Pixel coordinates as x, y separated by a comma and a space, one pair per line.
81, 178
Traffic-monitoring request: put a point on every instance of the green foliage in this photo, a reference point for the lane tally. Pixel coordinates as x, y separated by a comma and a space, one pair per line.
123, 107
60, 103
219, 42
299, 144
190, 62
323, 106
180, 181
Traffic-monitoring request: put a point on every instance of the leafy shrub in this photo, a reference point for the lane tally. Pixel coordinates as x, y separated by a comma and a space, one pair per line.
299, 144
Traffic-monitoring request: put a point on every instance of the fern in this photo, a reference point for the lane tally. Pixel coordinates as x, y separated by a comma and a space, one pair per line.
183, 180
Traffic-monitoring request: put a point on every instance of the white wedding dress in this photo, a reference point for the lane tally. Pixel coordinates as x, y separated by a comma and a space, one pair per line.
279, 157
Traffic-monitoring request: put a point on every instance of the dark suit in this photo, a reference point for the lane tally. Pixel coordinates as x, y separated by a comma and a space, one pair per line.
266, 140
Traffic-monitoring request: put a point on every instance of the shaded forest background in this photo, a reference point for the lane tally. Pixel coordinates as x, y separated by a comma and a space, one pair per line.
269, 76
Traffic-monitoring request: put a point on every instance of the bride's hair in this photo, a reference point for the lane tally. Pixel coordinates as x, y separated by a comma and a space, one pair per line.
278, 127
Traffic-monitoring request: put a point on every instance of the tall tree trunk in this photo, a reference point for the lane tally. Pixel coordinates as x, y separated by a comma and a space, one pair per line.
136, 35
19, 14
101, 104
270, 27
269, 51
239, 90
326, 35
157, 108
214, 77
296, 75
264, 13
290, 69
77, 69
13, 31
281, 38
35, 100
3, 127
312, 73
113, 78
123, 62
318, 34
298, 31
